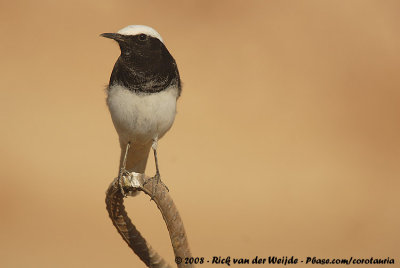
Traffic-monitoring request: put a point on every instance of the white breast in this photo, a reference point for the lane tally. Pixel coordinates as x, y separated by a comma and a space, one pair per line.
139, 117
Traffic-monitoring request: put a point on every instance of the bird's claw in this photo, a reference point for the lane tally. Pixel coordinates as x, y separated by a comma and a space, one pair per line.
155, 181
121, 183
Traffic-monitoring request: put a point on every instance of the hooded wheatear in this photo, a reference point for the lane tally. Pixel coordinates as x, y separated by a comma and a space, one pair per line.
142, 94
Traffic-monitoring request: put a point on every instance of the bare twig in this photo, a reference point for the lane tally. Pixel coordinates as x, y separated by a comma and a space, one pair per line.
132, 182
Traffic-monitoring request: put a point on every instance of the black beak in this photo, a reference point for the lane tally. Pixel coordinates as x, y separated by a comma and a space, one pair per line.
117, 37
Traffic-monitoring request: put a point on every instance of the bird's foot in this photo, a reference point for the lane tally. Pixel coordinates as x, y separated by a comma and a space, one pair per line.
155, 181
121, 182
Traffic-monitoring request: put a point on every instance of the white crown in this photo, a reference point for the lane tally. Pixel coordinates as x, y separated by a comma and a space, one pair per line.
139, 29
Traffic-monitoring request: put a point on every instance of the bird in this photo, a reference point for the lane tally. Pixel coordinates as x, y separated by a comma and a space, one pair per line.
141, 96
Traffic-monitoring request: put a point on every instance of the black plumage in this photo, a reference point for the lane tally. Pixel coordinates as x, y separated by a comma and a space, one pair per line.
145, 64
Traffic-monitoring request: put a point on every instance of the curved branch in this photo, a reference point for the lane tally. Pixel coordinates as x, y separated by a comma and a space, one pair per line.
131, 183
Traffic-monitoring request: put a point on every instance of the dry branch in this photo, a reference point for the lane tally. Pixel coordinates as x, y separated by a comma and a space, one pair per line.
132, 182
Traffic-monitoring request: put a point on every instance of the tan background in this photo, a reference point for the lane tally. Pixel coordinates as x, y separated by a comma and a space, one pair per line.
286, 139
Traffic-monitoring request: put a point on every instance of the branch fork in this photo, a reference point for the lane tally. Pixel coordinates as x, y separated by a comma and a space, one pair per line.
129, 184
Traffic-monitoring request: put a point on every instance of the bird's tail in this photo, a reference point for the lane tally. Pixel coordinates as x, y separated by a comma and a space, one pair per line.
137, 156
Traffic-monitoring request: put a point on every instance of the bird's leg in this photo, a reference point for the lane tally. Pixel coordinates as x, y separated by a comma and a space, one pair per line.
123, 170
157, 177
154, 146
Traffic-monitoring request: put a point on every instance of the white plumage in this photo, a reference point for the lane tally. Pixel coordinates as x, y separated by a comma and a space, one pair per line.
141, 118
140, 29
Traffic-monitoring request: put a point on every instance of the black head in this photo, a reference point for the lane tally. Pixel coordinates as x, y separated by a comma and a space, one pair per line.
139, 48
145, 63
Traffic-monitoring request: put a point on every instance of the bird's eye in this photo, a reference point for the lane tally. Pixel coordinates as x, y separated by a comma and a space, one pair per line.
142, 37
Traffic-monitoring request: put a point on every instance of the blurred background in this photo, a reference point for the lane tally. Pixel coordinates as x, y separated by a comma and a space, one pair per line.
286, 141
